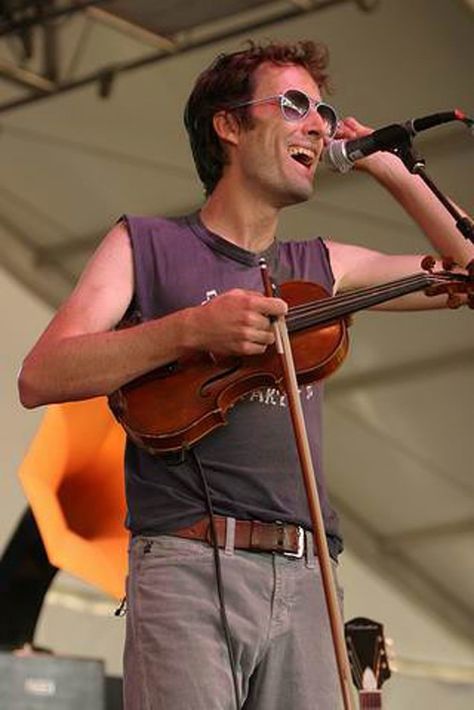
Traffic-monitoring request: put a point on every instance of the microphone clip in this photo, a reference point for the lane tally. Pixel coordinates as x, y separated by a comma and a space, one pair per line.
411, 158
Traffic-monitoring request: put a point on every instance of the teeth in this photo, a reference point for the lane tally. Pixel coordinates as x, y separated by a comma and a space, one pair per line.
300, 152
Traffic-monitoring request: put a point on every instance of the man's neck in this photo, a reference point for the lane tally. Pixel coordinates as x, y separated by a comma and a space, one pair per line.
240, 219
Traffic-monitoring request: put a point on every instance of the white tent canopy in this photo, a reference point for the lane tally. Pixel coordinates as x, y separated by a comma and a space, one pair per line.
398, 448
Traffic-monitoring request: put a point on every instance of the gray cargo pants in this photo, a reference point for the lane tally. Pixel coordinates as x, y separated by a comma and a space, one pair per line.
175, 653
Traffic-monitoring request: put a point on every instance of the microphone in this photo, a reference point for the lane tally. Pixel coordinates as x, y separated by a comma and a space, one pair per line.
340, 155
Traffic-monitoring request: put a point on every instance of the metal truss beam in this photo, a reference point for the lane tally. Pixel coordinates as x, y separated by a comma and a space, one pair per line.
195, 38
24, 77
40, 17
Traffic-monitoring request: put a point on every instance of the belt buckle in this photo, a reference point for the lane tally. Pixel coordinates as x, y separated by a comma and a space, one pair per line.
300, 550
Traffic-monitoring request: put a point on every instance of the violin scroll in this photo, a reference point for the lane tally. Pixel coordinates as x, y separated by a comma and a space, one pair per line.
452, 282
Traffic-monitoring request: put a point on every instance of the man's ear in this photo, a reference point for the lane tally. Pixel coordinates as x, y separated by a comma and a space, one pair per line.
226, 127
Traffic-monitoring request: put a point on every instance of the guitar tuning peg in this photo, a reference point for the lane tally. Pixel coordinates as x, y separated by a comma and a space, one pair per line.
428, 263
448, 263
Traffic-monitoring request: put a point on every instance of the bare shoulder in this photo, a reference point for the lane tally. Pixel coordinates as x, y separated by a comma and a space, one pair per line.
113, 253
103, 291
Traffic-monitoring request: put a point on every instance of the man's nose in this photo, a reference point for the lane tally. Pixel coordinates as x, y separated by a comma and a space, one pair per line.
315, 125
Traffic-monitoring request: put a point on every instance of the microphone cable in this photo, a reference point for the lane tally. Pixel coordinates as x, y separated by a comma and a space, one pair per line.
219, 583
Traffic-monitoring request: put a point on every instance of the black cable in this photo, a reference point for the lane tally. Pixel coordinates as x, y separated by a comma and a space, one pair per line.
219, 583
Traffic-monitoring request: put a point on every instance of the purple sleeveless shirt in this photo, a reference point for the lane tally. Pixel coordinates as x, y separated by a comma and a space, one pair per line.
251, 463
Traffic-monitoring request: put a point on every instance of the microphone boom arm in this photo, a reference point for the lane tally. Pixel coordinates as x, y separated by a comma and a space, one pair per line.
415, 164
397, 138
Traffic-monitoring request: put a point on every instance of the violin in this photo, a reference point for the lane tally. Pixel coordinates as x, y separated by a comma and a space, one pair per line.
174, 406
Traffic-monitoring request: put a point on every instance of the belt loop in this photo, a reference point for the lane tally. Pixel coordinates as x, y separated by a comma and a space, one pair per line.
310, 558
229, 536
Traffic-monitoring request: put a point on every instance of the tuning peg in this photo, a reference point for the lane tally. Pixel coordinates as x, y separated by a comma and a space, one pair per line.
428, 263
448, 263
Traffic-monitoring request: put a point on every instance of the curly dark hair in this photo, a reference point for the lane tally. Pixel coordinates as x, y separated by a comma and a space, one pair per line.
229, 80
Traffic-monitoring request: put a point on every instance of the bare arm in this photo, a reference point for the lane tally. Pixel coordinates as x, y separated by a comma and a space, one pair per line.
355, 267
358, 267
80, 355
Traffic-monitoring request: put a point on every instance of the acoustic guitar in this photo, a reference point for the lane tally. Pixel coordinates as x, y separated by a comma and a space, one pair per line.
368, 658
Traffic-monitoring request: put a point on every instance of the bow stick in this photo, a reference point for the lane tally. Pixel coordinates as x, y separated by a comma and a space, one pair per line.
283, 347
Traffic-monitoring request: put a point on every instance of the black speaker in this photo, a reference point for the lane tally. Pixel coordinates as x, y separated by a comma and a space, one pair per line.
113, 693
46, 682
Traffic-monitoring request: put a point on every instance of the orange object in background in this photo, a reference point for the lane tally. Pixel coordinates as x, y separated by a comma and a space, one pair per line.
73, 478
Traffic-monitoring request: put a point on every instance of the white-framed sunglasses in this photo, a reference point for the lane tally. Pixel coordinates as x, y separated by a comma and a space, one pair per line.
295, 105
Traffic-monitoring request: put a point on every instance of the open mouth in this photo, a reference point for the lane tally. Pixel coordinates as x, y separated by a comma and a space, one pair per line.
303, 156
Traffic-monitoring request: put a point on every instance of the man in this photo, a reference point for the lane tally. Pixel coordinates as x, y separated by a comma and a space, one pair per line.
257, 127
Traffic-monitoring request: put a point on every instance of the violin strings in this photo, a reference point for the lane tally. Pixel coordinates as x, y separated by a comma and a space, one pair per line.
406, 285
356, 294
335, 306
345, 298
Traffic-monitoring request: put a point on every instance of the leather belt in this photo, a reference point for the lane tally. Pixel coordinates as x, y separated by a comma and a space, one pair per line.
284, 538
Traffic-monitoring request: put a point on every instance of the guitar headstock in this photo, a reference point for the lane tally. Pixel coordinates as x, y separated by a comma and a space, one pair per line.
367, 653
450, 280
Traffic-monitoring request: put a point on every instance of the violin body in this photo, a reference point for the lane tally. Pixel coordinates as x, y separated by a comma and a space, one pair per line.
176, 405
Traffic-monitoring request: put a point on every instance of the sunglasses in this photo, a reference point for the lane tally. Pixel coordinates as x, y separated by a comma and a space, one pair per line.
295, 105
